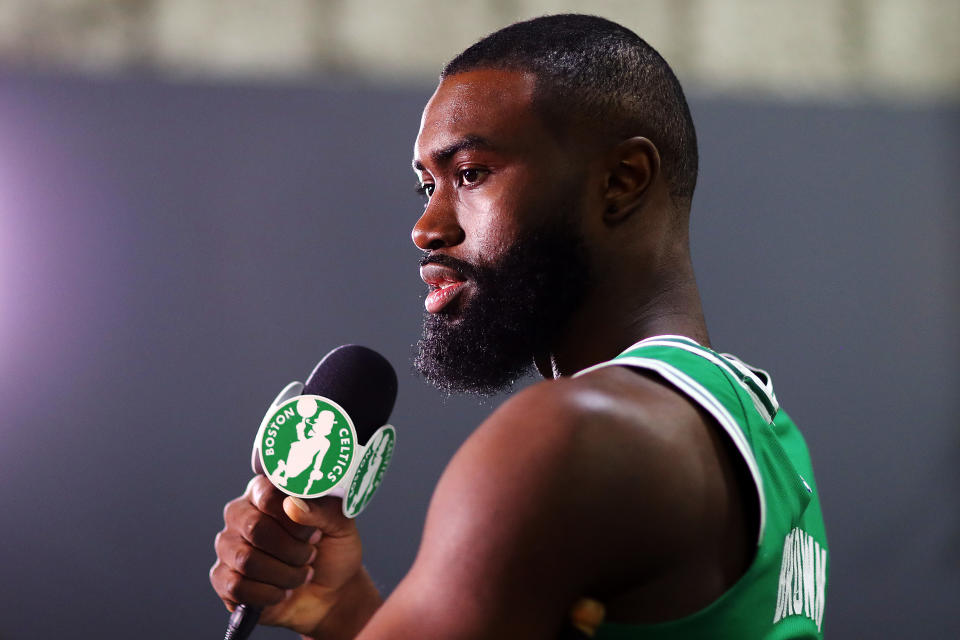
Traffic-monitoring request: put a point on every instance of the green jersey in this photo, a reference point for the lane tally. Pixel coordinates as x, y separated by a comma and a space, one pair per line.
782, 594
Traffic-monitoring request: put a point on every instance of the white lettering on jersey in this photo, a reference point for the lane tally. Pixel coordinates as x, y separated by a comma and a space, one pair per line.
803, 578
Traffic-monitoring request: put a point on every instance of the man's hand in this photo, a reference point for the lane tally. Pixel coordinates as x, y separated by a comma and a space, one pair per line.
303, 567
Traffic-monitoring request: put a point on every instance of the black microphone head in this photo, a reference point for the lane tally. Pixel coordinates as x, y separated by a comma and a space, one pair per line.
361, 381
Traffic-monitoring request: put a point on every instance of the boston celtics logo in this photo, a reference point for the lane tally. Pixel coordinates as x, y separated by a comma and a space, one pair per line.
370, 471
307, 445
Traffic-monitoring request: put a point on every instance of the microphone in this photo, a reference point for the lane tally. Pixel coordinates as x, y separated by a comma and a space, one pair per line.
361, 381
352, 389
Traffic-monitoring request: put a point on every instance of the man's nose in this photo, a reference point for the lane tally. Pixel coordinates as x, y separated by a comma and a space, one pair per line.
437, 227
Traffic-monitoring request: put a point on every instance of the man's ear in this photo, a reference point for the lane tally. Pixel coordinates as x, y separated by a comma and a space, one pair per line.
633, 166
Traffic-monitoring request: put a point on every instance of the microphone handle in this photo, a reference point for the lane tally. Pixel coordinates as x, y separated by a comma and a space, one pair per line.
242, 621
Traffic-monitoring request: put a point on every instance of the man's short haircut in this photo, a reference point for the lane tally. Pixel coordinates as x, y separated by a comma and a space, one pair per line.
591, 71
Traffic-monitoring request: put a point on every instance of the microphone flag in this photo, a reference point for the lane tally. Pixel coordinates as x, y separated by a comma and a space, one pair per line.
307, 446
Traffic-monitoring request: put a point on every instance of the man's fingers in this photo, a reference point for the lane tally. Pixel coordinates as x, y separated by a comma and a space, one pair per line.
587, 615
256, 565
288, 571
268, 499
233, 587
264, 532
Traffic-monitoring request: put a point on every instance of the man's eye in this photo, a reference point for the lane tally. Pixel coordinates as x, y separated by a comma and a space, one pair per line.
425, 189
471, 176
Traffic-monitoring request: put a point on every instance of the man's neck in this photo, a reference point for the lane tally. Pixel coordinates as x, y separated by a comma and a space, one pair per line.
612, 320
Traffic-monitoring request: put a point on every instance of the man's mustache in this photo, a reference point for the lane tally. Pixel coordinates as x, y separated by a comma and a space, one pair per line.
465, 269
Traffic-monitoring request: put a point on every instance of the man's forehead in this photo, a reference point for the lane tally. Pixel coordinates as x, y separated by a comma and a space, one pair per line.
486, 103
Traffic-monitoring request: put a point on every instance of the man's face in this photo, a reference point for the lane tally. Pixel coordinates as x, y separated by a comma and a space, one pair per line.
500, 230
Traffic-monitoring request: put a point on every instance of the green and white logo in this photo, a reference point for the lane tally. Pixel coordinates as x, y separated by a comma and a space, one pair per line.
307, 445
370, 471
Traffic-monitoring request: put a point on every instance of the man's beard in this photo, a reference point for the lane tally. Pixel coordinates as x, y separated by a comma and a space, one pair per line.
517, 309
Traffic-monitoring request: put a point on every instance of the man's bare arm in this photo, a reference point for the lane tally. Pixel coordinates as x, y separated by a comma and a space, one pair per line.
567, 490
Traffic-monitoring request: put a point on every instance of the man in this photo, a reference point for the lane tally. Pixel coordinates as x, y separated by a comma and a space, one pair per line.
649, 481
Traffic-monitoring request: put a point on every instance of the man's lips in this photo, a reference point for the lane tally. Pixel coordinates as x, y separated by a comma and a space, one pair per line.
445, 285
439, 298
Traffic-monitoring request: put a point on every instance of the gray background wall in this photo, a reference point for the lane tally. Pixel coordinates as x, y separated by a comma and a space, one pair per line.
172, 254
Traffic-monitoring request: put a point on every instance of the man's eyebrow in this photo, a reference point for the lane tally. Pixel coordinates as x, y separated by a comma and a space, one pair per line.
467, 143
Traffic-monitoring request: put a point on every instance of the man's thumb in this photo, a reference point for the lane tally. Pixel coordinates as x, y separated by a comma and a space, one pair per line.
325, 514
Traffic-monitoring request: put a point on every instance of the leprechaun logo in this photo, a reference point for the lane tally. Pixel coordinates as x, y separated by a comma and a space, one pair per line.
307, 445
370, 471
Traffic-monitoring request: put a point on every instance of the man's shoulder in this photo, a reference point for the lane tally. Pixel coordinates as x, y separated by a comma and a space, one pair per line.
612, 406
600, 484
598, 455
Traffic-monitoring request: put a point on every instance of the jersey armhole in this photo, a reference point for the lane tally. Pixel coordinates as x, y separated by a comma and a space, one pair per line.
703, 398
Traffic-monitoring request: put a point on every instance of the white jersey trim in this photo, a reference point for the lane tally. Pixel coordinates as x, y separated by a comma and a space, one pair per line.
746, 369
704, 398
735, 367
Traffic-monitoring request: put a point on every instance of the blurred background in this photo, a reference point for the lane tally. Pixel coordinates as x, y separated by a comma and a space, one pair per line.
199, 198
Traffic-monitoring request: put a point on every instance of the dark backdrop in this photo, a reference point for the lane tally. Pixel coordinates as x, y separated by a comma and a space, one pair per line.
172, 255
